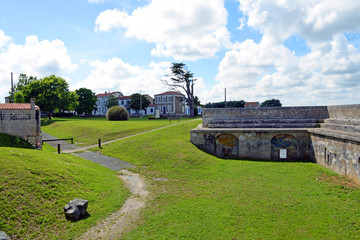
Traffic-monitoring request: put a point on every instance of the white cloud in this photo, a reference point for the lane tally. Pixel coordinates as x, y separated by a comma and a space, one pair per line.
330, 74
34, 57
183, 29
96, 1
315, 20
116, 75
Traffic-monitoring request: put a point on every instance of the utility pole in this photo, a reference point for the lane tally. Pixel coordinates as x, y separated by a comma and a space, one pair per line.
12, 89
225, 97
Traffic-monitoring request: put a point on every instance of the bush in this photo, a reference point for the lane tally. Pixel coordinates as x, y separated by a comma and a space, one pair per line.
117, 113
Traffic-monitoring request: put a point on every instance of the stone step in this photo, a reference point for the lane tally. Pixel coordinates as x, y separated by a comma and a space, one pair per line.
265, 125
341, 127
265, 120
344, 121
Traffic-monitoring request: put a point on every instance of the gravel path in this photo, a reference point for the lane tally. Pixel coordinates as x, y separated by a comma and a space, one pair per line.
121, 221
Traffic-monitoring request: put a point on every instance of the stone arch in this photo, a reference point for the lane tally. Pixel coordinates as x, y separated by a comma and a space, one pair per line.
227, 146
284, 145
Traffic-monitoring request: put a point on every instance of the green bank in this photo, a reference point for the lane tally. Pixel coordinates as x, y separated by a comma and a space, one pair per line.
199, 196
36, 185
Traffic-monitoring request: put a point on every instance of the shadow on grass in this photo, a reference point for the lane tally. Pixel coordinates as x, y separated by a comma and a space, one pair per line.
46, 122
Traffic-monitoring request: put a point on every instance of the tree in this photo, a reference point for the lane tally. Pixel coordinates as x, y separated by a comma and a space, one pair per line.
183, 79
271, 103
229, 104
23, 80
135, 101
112, 101
86, 101
51, 94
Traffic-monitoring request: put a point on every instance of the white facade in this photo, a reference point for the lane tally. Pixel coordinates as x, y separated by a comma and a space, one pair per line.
102, 98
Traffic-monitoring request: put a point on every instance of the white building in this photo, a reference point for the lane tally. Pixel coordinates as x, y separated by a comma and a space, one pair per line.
102, 98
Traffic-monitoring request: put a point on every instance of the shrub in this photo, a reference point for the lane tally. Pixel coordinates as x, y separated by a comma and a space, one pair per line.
117, 113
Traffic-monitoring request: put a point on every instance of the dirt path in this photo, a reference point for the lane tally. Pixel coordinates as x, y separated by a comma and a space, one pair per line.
118, 222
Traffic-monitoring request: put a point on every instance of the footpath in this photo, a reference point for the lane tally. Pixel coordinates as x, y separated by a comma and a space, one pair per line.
119, 222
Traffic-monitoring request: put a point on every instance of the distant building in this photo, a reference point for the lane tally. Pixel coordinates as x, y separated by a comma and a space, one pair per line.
170, 102
187, 110
252, 104
124, 102
102, 98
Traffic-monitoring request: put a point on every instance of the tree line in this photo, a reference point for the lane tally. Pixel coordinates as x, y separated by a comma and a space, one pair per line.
52, 95
241, 104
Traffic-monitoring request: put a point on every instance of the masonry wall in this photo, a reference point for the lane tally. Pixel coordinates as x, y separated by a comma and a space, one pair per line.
275, 112
256, 144
22, 123
334, 143
339, 154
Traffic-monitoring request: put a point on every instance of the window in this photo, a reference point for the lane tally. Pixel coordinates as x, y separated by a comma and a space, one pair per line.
151, 110
169, 99
164, 99
159, 99
122, 102
169, 108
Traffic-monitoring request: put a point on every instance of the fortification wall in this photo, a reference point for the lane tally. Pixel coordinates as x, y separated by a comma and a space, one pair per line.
22, 123
211, 114
285, 133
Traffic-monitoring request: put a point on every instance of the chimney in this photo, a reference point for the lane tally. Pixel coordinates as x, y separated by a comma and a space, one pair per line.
32, 103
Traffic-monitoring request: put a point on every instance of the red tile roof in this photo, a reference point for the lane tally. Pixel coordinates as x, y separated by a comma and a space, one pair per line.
105, 94
170, 93
151, 105
124, 97
17, 106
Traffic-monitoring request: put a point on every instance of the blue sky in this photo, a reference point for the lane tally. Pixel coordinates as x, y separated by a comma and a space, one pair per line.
301, 52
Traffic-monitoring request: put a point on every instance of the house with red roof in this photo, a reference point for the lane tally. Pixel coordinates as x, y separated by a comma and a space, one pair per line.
22, 120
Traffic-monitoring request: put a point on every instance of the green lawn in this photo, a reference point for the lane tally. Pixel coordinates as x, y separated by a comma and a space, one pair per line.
209, 198
88, 131
36, 185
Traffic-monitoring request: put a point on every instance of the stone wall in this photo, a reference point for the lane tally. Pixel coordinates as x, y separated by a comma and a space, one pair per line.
329, 135
211, 114
23, 123
257, 144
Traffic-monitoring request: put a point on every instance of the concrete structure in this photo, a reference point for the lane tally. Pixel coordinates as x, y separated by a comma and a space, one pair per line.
328, 135
21, 120
102, 98
170, 103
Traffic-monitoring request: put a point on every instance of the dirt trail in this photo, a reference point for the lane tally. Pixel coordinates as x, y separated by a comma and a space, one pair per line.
118, 222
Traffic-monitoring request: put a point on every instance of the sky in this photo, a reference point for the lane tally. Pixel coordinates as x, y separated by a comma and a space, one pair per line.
300, 52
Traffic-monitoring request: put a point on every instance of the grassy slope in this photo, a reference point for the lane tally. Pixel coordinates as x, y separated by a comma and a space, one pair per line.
211, 198
12, 141
36, 185
88, 131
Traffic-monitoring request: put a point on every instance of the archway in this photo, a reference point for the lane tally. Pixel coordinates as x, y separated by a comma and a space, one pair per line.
227, 146
284, 147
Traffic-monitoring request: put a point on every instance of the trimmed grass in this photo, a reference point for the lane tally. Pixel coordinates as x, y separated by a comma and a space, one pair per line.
36, 185
209, 198
87, 131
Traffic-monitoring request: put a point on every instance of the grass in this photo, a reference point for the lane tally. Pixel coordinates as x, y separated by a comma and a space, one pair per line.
36, 185
88, 131
12, 141
209, 198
